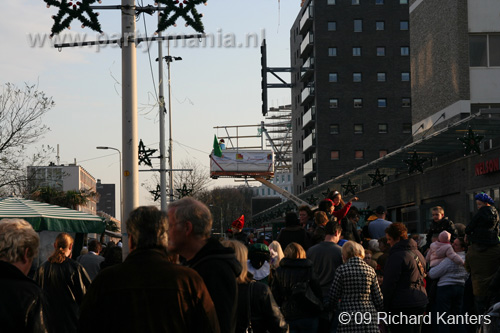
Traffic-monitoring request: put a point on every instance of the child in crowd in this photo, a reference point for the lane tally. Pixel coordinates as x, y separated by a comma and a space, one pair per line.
441, 249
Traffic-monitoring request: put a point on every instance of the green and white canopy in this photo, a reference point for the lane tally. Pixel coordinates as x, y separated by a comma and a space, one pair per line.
43, 216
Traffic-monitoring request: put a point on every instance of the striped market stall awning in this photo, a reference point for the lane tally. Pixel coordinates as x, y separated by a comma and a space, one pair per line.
43, 216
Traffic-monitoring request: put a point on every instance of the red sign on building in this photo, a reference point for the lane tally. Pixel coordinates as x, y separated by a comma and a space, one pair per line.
490, 166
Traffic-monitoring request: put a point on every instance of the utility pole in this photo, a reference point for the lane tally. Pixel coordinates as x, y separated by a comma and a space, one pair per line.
129, 118
163, 175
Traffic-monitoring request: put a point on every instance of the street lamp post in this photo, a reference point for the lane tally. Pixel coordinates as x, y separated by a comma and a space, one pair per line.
169, 59
221, 226
121, 196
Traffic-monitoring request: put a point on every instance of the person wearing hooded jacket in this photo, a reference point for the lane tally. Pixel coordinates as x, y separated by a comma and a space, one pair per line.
403, 287
190, 224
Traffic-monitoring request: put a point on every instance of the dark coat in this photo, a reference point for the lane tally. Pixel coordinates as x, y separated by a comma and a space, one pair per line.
295, 234
288, 274
403, 285
22, 304
219, 268
350, 230
65, 284
483, 228
437, 227
147, 293
265, 313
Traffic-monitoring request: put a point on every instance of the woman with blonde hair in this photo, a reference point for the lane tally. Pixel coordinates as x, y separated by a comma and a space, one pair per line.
355, 286
65, 282
276, 254
265, 316
297, 290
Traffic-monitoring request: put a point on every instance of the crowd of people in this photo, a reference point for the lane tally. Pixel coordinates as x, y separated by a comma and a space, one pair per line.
323, 273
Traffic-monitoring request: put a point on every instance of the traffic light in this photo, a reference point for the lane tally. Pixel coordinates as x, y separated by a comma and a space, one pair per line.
263, 71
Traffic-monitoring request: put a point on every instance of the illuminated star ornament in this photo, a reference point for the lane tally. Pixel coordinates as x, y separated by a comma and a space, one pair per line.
144, 154
175, 9
156, 193
471, 142
377, 177
70, 10
415, 163
184, 191
349, 188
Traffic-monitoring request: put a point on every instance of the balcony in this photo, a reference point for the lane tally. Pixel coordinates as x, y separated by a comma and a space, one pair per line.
307, 69
307, 44
307, 19
307, 94
309, 142
309, 166
308, 117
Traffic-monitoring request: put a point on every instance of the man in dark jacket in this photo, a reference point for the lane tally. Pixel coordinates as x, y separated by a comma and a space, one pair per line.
293, 232
403, 286
92, 260
439, 223
148, 293
22, 305
190, 224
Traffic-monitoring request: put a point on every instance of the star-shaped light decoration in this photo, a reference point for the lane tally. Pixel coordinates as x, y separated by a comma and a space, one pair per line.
180, 8
184, 191
144, 154
471, 142
156, 193
377, 177
73, 9
325, 194
415, 163
312, 200
349, 188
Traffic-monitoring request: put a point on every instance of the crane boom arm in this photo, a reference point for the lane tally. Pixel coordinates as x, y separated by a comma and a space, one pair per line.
286, 194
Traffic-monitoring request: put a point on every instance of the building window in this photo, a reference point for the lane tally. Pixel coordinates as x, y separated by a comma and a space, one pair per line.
406, 102
358, 25
403, 25
382, 152
356, 77
332, 26
405, 51
379, 2
403, 2
358, 128
358, 102
332, 77
484, 50
331, 2
379, 25
359, 154
334, 155
334, 103
406, 127
382, 128
405, 76
356, 52
382, 102
381, 77
380, 51
332, 51
334, 129
354, 2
